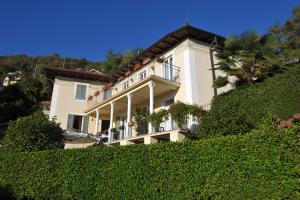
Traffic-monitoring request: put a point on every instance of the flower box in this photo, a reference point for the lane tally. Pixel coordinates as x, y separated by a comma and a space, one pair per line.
120, 78
96, 93
128, 73
137, 66
130, 123
160, 60
146, 61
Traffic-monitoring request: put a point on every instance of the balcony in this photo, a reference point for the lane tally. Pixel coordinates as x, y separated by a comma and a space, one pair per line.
162, 72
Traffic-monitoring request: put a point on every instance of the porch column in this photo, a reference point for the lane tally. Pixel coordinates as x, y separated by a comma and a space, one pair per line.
112, 105
97, 121
129, 96
151, 103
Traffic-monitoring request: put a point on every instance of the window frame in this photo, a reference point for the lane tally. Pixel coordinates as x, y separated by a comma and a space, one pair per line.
105, 96
141, 75
86, 93
125, 83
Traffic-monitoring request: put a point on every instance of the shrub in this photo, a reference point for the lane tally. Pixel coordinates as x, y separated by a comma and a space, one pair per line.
156, 118
260, 165
179, 113
141, 119
239, 111
33, 133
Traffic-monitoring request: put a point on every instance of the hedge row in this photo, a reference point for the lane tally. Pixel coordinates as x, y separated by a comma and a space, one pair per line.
260, 165
240, 111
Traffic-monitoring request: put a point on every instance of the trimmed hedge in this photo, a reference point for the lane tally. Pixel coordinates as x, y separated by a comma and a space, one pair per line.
261, 165
240, 111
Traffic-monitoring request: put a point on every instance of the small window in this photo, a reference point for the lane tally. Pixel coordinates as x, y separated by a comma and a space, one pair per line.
142, 75
125, 85
107, 94
80, 92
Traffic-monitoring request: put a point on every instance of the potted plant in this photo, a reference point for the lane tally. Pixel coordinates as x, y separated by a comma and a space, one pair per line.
128, 73
141, 120
156, 118
131, 123
160, 60
179, 113
120, 78
96, 93
137, 66
90, 97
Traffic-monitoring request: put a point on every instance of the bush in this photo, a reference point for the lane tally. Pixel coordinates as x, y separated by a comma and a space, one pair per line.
156, 118
260, 165
33, 133
240, 111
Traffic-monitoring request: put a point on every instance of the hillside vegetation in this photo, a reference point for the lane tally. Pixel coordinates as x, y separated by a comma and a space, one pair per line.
261, 165
239, 111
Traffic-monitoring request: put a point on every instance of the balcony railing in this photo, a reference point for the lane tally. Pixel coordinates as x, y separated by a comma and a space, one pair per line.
165, 71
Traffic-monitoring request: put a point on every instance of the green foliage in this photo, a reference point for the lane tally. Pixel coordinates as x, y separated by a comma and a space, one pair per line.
19, 100
287, 37
220, 82
239, 111
261, 165
141, 119
248, 57
33, 133
156, 118
114, 60
179, 113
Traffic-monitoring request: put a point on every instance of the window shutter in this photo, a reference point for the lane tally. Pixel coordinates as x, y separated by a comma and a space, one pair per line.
85, 124
70, 122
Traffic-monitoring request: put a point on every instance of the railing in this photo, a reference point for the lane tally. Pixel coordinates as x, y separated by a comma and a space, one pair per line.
170, 72
166, 71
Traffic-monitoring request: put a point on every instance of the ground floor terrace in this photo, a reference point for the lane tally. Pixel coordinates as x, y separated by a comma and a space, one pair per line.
122, 118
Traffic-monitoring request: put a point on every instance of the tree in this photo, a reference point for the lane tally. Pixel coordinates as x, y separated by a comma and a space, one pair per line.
19, 100
33, 133
288, 37
248, 57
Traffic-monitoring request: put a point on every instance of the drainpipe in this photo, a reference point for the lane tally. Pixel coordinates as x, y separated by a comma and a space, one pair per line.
212, 64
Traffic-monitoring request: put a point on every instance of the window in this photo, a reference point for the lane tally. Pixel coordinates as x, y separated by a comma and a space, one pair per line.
107, 94
80, 92
168, 69
77, 123
125, 85
142, 75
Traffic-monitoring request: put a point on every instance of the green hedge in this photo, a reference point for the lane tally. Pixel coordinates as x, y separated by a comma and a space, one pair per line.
260, 165
240, 111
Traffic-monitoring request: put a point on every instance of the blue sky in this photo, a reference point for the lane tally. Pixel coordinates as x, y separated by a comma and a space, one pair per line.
88, 28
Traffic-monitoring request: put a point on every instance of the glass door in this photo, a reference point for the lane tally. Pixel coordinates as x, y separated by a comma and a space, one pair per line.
168, 69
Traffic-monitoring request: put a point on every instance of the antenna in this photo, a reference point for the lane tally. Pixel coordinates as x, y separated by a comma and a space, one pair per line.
187, 17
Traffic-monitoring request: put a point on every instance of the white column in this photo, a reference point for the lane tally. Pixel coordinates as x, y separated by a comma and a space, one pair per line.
97, 121
129, 96
112, 105
151, 103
